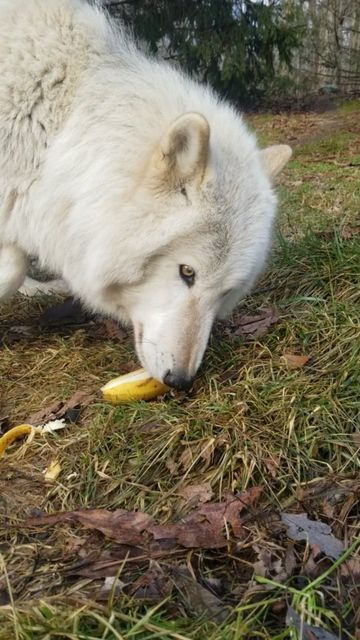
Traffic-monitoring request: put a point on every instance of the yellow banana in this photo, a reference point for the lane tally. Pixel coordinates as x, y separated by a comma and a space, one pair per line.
137, 385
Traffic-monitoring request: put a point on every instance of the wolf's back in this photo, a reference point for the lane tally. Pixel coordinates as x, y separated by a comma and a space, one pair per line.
45, 47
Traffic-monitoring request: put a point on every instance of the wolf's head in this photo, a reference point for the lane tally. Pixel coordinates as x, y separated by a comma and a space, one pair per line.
202, 238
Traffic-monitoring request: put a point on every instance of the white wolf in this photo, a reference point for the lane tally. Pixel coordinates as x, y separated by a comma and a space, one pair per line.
142, 189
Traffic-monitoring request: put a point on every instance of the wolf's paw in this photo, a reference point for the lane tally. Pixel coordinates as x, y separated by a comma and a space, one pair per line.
12, 270
32, 287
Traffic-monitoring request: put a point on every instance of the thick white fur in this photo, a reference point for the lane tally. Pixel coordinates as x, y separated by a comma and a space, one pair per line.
115, 169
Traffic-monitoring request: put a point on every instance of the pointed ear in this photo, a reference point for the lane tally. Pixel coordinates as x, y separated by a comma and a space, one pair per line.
275, 158
183, 150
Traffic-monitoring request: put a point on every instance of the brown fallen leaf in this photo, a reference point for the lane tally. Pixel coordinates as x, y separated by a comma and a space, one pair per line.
101, 563
195, 494
205, 527
171, 465
196, 598
150, 427
106, 563
254, 325
316, 563
345, 233
272, 464
274, 564
294, 361
11, 334
334, 490
69, 409
28, 331
356, 438
350, 570
120, 525
200, 452
299, 527
114, 331
308, 632
111, 588
153, 586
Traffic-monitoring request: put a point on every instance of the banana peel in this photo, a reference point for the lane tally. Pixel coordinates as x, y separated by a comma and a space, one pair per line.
53, 471
137, 385
16, 432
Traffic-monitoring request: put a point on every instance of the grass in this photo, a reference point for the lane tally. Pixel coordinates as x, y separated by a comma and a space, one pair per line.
250, 420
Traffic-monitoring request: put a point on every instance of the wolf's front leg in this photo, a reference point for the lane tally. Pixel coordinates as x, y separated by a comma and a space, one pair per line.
32, 287
12, 269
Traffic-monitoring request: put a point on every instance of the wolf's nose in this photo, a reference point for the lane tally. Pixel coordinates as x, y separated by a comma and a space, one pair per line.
178, 379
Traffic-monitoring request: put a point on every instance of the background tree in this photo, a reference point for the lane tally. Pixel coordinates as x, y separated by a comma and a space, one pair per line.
238, 46
254, 51
331, 45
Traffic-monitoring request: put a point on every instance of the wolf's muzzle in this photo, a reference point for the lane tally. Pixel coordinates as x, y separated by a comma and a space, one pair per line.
178, 379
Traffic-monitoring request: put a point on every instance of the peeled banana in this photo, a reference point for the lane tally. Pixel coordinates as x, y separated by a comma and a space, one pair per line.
137, 385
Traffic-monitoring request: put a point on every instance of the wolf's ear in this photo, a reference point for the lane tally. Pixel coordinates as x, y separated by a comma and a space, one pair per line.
275, 158
183, 149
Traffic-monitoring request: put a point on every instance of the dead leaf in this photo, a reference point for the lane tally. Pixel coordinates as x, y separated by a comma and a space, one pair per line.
107, 563
124, 526
171, 465
186, 459
255, 325
308, 631
114, 331
11, 334
272, 565
347, 232
196, 494
112, 587
201, 451
272, 464
206, 527
350, 569
334, 490
293, 361
68, 410
316, 563
356, 438
150, 427
197, 599
27, 331
299, 527
328, 509
154, 585
129, 367
289, 560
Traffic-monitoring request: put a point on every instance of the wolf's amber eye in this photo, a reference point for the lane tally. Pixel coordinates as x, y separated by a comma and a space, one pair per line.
187, 273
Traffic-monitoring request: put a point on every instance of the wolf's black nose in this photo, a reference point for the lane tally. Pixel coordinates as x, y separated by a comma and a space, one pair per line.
178, 379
